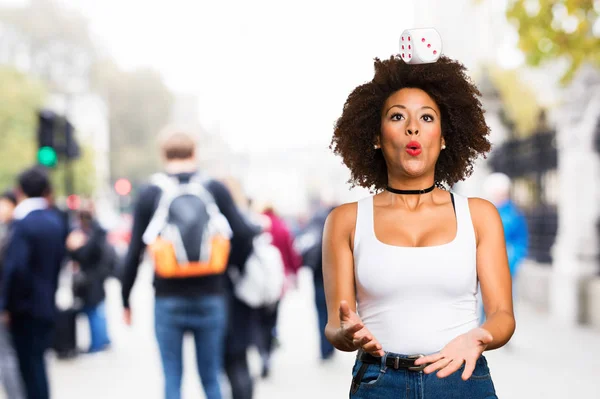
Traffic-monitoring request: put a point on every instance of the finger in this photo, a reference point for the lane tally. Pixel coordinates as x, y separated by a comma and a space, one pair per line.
373, 346
451, 368
428, 359
362, 341
468, 371
352, 329
440, 364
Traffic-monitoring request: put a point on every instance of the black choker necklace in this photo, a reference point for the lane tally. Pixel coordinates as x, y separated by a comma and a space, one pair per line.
424, 191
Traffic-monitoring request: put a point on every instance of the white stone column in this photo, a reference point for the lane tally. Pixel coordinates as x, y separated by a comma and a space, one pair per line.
575, 253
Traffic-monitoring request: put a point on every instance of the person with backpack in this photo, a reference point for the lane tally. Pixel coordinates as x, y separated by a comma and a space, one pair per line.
94, 258
193, 231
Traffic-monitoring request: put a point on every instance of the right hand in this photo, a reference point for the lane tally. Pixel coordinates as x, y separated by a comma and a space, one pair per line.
355, 334
127, 316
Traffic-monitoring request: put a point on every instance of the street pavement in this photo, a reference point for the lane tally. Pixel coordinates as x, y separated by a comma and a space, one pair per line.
544, 359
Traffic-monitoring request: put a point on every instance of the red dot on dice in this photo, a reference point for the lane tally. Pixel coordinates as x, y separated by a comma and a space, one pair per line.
402, 38
409, 38
410, 56
423, 40
429, 45
409, 46
403, 47
402, 55
434, 52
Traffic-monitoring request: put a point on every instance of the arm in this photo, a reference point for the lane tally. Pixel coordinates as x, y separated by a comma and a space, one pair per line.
493, 273
344, 328
16, 259
143, 211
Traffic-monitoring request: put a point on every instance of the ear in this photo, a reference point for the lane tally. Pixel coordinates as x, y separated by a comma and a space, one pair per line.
443, 143
377, 143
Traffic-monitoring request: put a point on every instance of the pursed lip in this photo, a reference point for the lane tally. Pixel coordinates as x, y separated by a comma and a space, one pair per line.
413, 148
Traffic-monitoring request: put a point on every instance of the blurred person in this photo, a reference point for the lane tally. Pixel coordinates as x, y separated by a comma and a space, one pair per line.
310, 243
496, 188
32, 262
196, 303
9, 369
267, 316
94, 257
401, 267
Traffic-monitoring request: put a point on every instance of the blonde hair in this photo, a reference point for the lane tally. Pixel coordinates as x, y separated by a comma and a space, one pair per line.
177, 143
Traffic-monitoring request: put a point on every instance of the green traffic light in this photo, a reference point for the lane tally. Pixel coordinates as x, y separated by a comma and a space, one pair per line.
47, 156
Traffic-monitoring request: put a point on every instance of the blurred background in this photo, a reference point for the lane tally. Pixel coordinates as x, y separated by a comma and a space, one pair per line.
85, 87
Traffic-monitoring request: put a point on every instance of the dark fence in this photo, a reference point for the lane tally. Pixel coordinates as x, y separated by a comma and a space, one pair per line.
531, 163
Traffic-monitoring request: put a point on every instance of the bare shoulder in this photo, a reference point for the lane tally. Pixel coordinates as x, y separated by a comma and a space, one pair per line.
343, 218
484, 214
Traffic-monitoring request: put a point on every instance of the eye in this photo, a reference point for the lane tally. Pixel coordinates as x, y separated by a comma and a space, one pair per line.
397, 117
427, 118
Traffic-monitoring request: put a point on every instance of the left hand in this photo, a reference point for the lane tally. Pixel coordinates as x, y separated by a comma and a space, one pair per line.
465, 348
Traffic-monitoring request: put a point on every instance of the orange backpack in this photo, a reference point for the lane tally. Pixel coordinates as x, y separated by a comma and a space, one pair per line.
187, 236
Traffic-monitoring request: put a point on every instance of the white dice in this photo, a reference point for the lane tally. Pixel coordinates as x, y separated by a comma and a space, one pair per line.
420, 46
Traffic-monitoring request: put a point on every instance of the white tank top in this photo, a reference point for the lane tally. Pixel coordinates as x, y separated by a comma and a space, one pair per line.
415, 300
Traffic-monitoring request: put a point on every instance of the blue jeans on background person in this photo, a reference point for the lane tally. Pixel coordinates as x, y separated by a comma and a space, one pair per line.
98, 330
379, 381
10, 375
327, 349
206, 318
32, 337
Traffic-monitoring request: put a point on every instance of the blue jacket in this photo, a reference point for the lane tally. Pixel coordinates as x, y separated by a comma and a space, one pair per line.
515, 234
32, 262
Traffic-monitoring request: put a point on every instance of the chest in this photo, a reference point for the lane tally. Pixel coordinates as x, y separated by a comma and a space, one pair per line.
424, 228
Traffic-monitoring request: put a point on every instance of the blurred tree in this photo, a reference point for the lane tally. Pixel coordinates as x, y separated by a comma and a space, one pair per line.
21, 97
50, 42
518, 99
140, 105
550, 29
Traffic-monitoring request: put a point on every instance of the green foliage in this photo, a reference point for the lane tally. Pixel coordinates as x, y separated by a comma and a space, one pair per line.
82, 171
20, 97
519, 100
551, 29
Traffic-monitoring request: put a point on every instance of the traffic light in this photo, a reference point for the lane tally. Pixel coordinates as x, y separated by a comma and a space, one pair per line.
123, 186
47, 157
56, 138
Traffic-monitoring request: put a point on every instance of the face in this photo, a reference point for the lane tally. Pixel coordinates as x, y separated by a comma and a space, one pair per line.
411, 133
6, 210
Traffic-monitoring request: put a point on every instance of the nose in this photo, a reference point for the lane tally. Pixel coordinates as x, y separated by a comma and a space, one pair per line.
411, 132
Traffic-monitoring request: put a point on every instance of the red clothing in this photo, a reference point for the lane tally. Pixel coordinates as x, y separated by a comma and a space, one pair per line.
282, 239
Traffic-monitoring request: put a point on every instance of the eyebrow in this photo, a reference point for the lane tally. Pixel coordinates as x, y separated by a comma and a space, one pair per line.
403, 107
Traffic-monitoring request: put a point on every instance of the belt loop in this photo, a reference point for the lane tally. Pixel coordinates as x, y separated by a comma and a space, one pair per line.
384, 362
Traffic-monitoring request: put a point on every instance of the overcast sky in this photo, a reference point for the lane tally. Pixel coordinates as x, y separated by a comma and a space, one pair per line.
268, 74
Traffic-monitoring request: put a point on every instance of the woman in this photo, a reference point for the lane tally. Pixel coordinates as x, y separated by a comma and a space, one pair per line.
401, 267
89, 247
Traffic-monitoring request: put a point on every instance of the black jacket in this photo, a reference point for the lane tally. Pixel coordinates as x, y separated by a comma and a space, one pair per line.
95, 259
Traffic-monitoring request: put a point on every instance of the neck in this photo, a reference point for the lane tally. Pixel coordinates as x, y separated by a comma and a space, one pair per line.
181, 166
410, 186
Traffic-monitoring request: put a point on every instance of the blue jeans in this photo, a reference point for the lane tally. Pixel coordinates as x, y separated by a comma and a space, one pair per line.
326, 347
379, 381
10, 375
205, 317
98, 331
